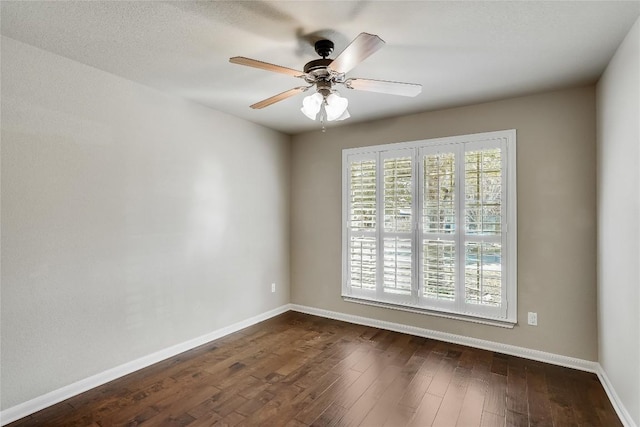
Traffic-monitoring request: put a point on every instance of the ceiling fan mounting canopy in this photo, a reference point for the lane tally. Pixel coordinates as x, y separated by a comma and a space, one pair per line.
324, 48
324, 73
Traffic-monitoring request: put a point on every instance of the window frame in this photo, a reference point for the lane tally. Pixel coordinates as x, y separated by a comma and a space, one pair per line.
506, 314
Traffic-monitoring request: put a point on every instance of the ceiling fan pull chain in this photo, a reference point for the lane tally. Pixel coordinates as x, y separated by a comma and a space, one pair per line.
323, 114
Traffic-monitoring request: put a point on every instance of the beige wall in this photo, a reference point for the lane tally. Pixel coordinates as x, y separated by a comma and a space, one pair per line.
556, 215
131, 221
618, 95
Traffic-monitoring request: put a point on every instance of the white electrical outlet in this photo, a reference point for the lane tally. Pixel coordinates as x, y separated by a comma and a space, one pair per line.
273, 287
533, 318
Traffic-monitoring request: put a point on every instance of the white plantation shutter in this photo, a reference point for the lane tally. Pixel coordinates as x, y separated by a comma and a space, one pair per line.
397, 232
362, 220
437, 236
483, 203
430, 225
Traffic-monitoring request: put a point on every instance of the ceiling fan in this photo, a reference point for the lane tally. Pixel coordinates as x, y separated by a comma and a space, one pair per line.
326, 73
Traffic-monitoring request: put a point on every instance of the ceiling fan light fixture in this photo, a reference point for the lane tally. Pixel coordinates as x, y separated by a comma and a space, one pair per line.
336, 106
311, 105
344, 116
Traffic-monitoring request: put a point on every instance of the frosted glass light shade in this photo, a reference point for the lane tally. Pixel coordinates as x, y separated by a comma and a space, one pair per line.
344, 115
336, 107
311, 105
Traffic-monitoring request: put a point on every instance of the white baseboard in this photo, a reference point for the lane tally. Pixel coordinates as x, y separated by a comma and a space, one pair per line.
527, 353
34, 405
621, 410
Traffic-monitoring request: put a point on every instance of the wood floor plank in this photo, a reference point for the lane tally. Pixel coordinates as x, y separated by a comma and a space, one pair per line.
332, 416
392, 394
283, 394
599, 400
453, 399
499, 364
300, 370
489, 419
442, 378
427, 410
559, 402
496, 399
292, 406
538, 396
400, 415
312, 407
516, 387
418, 386
371, 397
473, 403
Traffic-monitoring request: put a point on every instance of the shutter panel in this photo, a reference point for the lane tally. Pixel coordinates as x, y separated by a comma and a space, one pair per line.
483, 201
361, 229
439, 205
398, 224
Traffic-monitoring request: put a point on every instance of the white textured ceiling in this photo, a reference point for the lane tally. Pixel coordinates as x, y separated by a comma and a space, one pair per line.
461, 52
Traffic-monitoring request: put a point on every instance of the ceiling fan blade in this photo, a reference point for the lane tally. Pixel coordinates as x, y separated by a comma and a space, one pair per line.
279, 97
363, 46
241, 60
383, 86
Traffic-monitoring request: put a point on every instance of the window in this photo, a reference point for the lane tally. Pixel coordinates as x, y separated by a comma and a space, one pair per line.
430, 226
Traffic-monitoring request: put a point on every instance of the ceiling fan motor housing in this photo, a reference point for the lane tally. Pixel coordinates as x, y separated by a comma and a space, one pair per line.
324, 87
316, 65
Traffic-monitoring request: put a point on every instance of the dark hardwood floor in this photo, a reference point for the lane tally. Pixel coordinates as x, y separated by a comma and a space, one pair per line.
301, 370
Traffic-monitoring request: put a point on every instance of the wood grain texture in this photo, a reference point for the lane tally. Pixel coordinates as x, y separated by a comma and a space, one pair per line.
301, 370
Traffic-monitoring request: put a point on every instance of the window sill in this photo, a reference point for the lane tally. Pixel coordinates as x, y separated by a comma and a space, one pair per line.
447, 315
